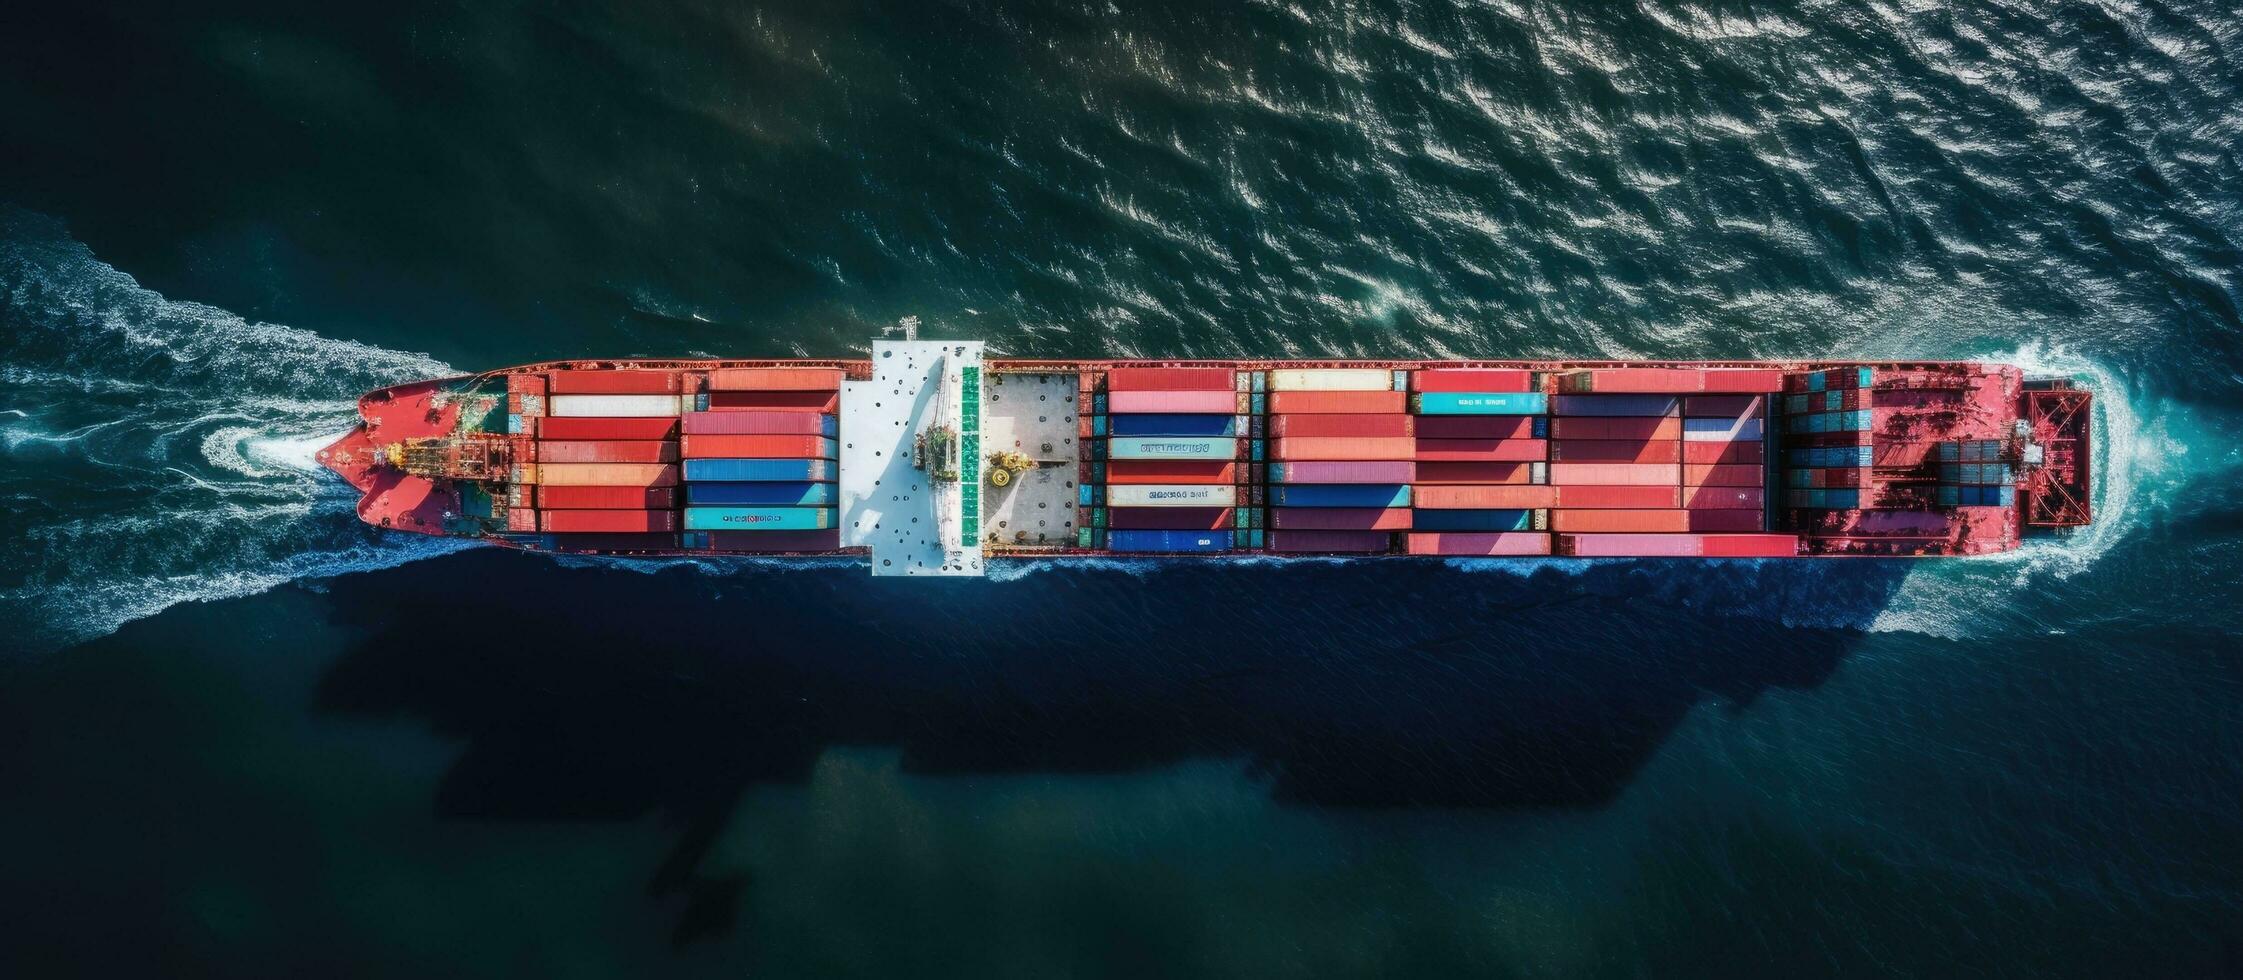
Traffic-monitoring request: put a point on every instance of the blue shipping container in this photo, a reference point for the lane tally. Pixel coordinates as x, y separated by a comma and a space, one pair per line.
1471, 403
777, 494
1616, 405
1472, 520
758, 518
1168, 541
759, 470
1339, 495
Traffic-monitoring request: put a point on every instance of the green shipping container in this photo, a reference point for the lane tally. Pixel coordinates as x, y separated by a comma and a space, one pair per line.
758, 518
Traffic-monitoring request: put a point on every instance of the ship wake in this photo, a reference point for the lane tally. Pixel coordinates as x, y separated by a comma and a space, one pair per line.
159, 452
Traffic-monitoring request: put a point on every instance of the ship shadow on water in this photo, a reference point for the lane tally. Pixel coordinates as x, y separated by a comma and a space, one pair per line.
603, 694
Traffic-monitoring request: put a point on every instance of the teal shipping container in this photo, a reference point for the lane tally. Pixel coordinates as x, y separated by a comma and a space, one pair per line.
758, 518
1171, 447
1474, 403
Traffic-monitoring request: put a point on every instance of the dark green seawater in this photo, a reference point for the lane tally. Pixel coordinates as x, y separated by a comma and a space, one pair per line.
241, 735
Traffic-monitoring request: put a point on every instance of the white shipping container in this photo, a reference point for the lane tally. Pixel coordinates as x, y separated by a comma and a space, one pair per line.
617, 406
1171, 495
1332, 379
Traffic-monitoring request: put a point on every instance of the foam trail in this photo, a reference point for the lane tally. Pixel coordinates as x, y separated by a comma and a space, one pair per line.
154, 452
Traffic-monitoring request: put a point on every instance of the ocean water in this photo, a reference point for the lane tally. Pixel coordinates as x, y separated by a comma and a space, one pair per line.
244, 735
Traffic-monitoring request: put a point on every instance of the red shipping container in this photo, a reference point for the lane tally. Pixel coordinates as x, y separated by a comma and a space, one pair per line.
1636, 498
1169, 518
1210, 402
607, 498
601, 430
606, 521
1620, 521
1483, 497
1852, 476
755, 423
1140, 471
1340, 518
775, 379
1710, 453
1480, 543
1315, 426
1616, 474
1722, 406
755, 447
1337, 402
550, 451
1749, 545
1724, 476
525, 384
1471, 380
1727, 520
1615, 451
1461, 474
1349, 542
1475, 426
615, 382
1743, 379
826, 402
1171, 379
1616, 427
1724, 498
1482, 450
775, 542
1337, 448
1651, 381
521, 519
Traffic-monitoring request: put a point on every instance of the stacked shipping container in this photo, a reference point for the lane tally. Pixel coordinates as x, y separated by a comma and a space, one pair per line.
602, 457
1342, 452
1165, 478
761, 451
1829, 425
1482, 454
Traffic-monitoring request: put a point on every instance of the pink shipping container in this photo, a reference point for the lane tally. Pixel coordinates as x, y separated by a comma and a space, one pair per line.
1134, 471
755, 423
1171, 379
1625, 521
1648, 381
1616, 427
1480, 543
1710, 453
1616, 474
1351, 542
1638, 498
1340, 448
1616, 451
1749, 545
1209, 402
1428, 497
1340, 518
775, 379
607, 452
1727, 520
1482, 450
618, 382
1743, 380
1630, 545
1723, 406
1466, 474
1314, 426
1724, 498
592, 429
1471, 380
1363, 471
1723, 476
1475, 426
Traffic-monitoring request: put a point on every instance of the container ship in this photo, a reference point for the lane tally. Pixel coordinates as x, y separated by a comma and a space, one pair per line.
928, 458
